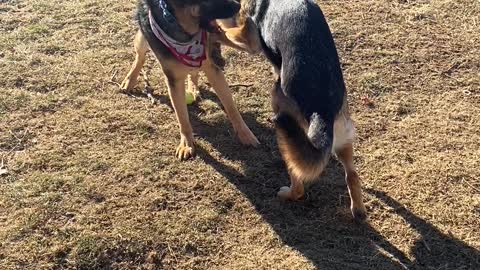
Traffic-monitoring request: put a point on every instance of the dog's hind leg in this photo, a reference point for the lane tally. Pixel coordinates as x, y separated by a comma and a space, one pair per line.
294, 192
343, 148
141, 48
345, 155
300, 171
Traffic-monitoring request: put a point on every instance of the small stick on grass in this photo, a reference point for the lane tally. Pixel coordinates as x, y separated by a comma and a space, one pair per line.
470, 185
114, 75
112, 79
426, 245
241, 85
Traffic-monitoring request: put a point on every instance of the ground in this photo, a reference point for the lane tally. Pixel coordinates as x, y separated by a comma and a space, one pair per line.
88, 178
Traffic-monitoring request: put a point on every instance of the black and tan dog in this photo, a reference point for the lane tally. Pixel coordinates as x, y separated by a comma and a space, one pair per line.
178, 33
309, 98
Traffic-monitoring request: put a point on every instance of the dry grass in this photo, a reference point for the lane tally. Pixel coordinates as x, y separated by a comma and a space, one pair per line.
92, 182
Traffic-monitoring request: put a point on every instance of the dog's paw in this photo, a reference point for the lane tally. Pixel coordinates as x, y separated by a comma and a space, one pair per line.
284, 193
359, 213
127, 85
246, 137
184, 152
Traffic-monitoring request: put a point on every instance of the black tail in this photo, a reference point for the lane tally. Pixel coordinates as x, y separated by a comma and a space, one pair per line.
304, 153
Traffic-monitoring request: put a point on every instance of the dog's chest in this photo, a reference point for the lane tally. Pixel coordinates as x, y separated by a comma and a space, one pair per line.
191, 53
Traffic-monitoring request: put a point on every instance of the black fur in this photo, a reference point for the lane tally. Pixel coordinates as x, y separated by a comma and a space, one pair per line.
296, 39
217, 9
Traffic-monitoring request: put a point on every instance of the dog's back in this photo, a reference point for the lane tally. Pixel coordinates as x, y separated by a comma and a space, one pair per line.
298, 41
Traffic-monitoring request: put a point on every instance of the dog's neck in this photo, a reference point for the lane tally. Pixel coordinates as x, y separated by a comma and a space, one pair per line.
183, 27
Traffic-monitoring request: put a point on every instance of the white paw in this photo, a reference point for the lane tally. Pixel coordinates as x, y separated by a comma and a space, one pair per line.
284, 193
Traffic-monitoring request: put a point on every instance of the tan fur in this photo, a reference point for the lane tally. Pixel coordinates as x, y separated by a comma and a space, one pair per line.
223, 39
242, 31
176, 73
141, 47
187, 17
245, 36
227, 23
302, 172
296, 165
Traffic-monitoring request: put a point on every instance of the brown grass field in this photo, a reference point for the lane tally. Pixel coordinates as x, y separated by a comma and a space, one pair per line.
88, 178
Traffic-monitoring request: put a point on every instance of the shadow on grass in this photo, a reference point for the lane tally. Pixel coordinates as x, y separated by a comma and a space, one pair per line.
434, 250
320, 226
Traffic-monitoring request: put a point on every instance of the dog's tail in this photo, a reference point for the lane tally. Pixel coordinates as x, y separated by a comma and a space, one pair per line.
305, 152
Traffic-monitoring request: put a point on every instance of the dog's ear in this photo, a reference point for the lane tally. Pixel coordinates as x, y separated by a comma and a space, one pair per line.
245, 36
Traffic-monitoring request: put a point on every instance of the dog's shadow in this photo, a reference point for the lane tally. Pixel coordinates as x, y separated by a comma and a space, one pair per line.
320, 227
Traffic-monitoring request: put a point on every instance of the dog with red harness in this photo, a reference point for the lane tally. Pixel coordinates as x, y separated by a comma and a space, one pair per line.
183, 36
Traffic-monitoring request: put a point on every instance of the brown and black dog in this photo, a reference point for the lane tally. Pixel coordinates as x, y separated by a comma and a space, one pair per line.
309, 98
180, 34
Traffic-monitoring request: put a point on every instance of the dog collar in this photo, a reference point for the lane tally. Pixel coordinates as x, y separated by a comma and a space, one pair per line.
191, 53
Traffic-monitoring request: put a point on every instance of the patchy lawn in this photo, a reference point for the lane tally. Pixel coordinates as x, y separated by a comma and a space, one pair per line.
88, 179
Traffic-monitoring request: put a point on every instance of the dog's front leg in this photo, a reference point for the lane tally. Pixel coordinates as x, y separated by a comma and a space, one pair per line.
141, 48
220, 86
176, 90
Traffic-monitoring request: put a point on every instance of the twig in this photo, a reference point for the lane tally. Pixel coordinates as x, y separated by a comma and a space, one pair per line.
171, 252
241, 85
68, 77
470, 185
113, 82
114, 75
18, 139
454, 66
426, 245
112, 79
385, 252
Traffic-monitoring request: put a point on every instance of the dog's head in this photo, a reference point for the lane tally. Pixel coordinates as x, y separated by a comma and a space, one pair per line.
207, 11
218, 9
